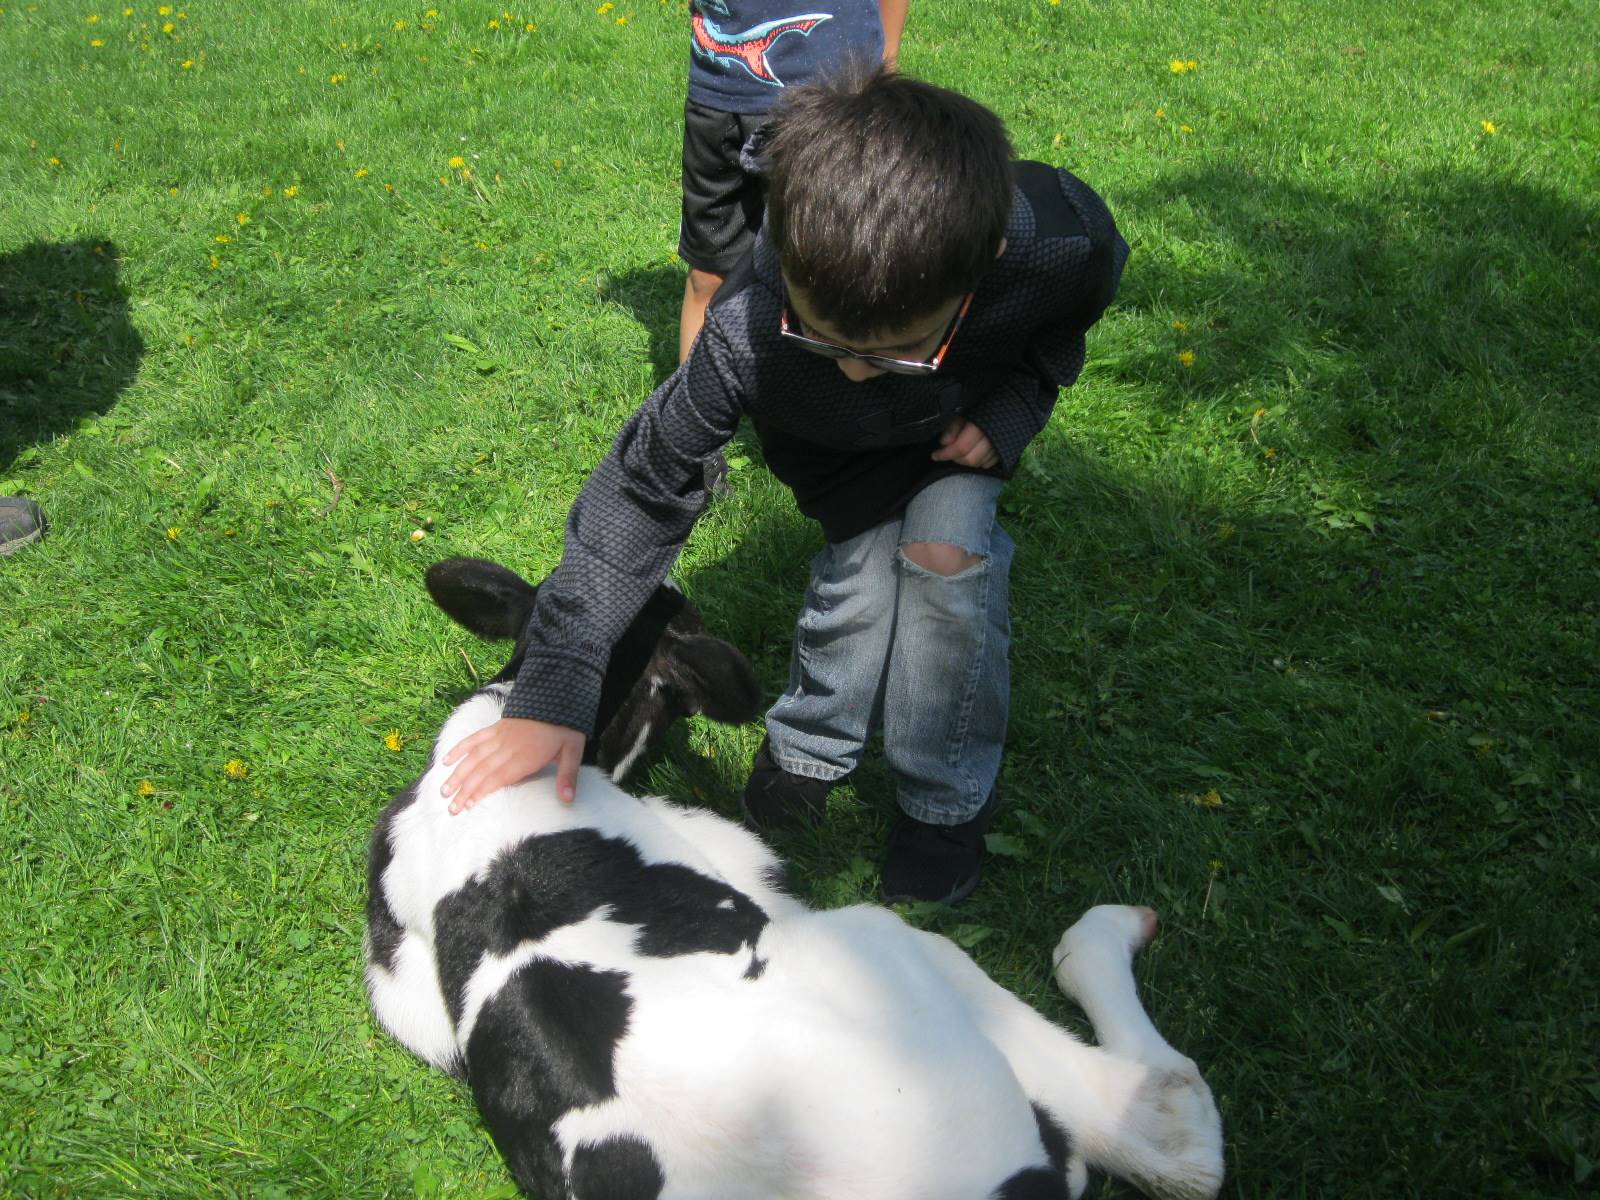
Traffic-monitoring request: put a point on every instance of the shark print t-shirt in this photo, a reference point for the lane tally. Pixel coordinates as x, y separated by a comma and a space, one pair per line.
743, 53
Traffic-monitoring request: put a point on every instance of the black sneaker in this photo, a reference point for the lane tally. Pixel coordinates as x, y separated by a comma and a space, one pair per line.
940, 863
774, 799
21, 522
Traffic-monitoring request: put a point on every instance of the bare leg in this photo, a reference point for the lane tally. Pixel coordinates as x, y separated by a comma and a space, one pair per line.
698, 290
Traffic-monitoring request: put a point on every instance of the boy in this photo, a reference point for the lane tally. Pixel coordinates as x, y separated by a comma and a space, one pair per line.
743, 53
897, 335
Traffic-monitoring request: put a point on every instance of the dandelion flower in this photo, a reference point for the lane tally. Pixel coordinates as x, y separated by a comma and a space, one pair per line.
1215, 866
389, 187
466, 173
1185, 128
215, 262
622, 20
605, 8
1258, 414
97, 42
93, 18
145, 788
530, 27
399, 25
1186, 358
187, 63
54, 161
1180, 327
164, 11
243, 218
224, 238
1177, 67
494, 23
339, 142
1272, 452
335, 79
1212, 799
174, 533
1161, 114
431, 14
236, 768
362, 172
127, 12
168, 27
24, 717
457, 162
291, 191
1490, 128
392, 740
172, 191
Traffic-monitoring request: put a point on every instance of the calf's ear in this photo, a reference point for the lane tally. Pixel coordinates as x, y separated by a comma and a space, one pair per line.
490, 600
717, 680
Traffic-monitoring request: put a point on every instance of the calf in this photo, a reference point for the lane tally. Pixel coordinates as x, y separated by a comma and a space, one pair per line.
641, 1011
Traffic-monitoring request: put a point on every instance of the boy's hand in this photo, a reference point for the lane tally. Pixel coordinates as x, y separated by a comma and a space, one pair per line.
965, 443
507, 752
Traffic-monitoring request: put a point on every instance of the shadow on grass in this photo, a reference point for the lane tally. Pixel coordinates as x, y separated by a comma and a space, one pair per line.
67, 348
654, 295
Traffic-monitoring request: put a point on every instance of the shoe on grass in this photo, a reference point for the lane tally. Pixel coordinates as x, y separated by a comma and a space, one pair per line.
775, 799
938, 863
21, 522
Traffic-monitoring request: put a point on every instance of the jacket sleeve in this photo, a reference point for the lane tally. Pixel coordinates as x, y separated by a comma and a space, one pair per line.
1014, 403
623, 534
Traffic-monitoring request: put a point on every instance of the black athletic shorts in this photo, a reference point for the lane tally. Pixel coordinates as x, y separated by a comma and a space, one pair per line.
722, 199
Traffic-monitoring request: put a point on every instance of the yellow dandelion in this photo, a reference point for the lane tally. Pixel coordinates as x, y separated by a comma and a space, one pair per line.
494, 23
1180, 327
168, 27
1272, 452
399, 25
291, 191
1055, 3
97, 42
622, 20
235, 768
1490, 128
389, 187
530, 27
1177, 66
1186, 358
339, 142
1190, 65
164, 11
418, 534
362, 172
1185, 128
243, 218
1258, 414
1212, 799
457, 162
53, 161
93, 18
482, 245
335, 79
24, 717
557, 163
172, 191
466, 172
215, 262
127, 12
431, 14
1161, 114
174, 533
444, 181
605, 8
224, 238
187, 63
1215, 866
392, 740
145, 788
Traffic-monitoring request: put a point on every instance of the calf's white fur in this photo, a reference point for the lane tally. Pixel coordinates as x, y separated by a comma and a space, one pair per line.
642, 1011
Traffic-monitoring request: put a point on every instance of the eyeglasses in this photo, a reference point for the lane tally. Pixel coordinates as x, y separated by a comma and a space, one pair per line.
897, 366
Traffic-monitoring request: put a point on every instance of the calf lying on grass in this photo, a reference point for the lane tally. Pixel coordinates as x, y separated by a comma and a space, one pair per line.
641, 1011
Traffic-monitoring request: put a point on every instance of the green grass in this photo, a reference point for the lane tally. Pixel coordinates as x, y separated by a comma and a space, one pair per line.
1341, 571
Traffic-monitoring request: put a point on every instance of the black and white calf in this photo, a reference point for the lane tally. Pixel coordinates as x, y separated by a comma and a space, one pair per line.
641, 1011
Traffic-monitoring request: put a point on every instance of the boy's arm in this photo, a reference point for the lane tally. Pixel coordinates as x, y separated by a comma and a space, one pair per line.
1016, 402
623, 534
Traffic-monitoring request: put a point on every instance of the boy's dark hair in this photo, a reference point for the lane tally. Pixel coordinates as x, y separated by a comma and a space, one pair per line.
887, 196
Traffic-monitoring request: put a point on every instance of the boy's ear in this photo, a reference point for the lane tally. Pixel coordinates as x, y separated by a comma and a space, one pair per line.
490, 600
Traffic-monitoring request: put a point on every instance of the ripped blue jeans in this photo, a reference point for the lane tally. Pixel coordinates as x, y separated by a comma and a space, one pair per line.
883, 639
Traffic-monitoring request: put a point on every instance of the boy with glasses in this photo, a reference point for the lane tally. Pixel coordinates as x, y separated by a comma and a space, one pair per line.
897, 335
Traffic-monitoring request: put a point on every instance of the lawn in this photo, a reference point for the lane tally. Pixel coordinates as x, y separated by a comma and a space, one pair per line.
297, 299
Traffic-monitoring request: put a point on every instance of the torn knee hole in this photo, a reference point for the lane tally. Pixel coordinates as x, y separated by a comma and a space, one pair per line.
941, 558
